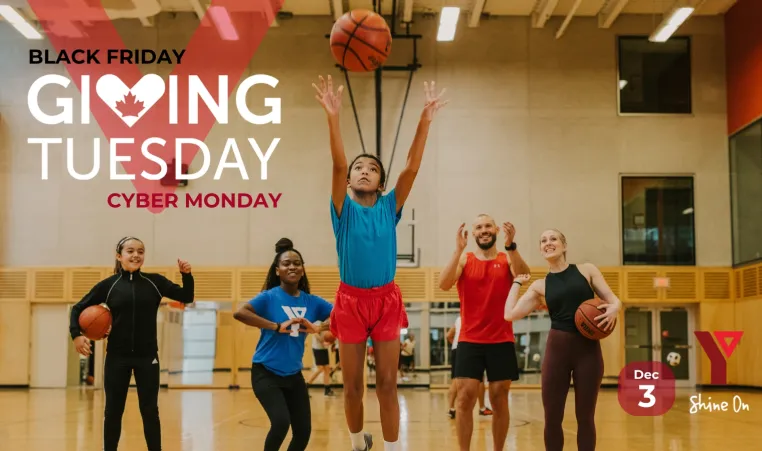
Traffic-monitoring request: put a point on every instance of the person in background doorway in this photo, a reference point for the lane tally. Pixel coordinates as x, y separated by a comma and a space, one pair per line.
90, 379
322, 360
407, 355
335, 349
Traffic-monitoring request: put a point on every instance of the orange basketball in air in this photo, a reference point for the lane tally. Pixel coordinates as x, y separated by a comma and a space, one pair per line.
585, 316
361, 41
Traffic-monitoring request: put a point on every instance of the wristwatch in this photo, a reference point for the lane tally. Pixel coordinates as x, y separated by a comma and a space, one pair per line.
512, 247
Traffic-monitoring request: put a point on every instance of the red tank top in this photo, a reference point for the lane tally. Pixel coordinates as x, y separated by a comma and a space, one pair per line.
483, 289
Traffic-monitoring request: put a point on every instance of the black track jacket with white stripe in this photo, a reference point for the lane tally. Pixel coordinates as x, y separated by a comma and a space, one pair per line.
133, 298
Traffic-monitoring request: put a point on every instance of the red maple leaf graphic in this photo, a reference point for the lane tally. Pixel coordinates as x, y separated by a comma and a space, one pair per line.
129, 106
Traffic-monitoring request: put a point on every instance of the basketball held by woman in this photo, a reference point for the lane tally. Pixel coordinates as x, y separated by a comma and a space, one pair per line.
570, 356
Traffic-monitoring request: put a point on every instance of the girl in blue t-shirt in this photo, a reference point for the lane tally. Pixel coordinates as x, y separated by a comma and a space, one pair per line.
285, 312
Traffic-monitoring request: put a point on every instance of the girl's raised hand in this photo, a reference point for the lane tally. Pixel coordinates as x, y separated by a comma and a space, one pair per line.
331, 101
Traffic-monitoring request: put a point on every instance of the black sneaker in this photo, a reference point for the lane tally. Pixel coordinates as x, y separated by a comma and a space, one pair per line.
368, 442
451, 413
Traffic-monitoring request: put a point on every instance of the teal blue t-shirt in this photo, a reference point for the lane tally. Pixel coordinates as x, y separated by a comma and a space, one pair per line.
282, 353
366, 241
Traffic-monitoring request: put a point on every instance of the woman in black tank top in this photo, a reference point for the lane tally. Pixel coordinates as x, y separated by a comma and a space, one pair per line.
569, 356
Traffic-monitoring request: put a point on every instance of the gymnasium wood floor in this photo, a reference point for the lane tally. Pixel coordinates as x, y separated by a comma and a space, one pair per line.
71, 420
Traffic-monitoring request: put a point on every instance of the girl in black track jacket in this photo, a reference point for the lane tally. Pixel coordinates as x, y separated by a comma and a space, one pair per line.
133, 298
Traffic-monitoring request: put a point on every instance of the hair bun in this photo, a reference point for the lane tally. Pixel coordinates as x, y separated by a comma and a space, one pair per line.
283, 245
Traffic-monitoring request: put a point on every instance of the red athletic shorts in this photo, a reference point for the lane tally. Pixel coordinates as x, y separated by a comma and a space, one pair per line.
359, 313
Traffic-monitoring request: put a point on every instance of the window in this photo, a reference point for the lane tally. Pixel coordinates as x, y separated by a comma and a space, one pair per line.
657, 221
746, 192
654, 78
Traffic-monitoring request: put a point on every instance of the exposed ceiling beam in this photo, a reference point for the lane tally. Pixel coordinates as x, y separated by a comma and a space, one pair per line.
338, 9
543, 13
610, 12
568, 18
206, 20
725, 5
407, 11
199, 10
476, 13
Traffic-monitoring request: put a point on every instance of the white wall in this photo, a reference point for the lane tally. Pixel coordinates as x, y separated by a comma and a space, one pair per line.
531, 135
49, 356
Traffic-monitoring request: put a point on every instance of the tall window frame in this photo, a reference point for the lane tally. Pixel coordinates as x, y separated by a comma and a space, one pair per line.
680, 77
634, 223
745, 176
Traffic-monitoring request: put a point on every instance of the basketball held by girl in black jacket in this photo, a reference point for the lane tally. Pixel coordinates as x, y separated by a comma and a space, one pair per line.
133, 298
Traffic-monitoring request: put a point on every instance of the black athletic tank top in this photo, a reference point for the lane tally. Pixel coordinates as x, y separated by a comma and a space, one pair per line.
565, 291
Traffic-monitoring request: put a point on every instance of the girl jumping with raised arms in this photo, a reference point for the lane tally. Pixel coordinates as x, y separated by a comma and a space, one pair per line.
368, 302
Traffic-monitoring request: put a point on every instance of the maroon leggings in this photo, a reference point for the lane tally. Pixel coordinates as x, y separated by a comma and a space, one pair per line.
570, 357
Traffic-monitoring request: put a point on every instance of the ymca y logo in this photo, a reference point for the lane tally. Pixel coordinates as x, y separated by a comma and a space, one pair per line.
294, 313
718, 361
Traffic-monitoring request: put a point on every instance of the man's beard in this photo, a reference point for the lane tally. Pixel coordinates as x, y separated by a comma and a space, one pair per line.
487, 245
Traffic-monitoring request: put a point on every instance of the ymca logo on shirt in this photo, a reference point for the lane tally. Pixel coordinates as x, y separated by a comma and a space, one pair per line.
293, 313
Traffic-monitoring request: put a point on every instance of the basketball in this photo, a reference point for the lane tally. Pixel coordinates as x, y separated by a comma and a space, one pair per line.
95, 322
585, 320
360, 41
328, 337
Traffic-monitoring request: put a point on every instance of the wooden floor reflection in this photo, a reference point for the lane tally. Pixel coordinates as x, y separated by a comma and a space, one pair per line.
201, 420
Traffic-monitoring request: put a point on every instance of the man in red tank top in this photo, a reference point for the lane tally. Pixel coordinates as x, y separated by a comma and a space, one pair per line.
486, 343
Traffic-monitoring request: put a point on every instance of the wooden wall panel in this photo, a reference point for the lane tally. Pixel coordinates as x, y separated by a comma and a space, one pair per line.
15, 333
49, 285
729, 299
324, 281
639, 285
747, 358
414, 284
82, 280
14, 285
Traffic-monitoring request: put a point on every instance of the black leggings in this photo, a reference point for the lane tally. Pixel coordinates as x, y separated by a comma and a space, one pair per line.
570, 356
117, 373
287, 404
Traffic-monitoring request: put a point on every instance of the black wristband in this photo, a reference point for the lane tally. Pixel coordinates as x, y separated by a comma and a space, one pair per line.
517, 282
512, 247
277, 327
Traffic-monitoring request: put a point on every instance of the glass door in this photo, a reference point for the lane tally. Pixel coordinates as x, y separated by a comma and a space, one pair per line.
662, 334
676, 343
638, 336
